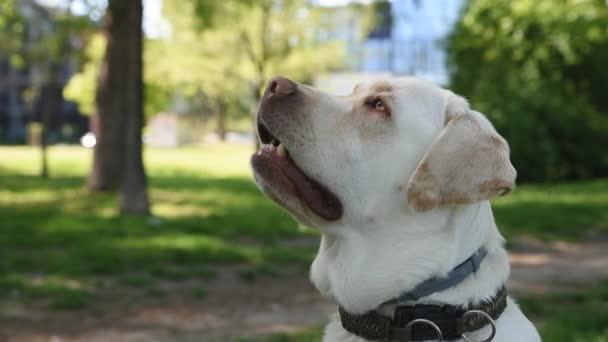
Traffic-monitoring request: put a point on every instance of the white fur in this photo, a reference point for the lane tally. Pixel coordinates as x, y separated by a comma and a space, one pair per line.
382, 247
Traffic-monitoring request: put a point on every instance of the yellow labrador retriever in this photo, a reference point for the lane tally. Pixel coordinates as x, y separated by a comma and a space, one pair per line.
397, 177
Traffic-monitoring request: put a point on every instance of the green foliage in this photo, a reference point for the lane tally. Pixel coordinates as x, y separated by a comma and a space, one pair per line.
193, 64
209, 13
203, 63
381, 14
41, 39
12, 31
82, 86
229, 59
538, 70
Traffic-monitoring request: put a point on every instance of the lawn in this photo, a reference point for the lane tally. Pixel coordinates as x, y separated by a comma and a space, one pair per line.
207, 211
58, 242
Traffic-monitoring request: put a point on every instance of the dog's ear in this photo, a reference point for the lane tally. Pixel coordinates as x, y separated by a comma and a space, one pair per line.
467, 162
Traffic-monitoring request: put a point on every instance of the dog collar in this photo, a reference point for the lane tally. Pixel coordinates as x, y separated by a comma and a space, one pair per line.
453, 278
427, 322
444, 322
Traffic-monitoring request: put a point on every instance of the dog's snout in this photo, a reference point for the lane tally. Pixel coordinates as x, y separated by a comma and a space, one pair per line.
283, 103
281, 86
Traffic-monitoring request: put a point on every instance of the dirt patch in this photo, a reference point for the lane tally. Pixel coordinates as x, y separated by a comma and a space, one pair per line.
538, 267
233, 307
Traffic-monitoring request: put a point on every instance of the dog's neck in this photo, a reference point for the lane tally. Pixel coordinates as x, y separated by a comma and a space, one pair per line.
362, 266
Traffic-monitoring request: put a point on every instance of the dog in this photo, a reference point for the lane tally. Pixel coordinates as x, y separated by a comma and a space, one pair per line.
397, 176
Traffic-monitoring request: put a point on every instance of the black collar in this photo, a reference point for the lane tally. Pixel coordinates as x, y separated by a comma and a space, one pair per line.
426, 322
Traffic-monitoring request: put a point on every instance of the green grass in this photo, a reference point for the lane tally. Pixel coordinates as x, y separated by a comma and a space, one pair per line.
56, 292
57, 240
566, 211
579, 315
207, 211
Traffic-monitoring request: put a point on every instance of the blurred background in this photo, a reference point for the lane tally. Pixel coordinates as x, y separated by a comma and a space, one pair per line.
127, 207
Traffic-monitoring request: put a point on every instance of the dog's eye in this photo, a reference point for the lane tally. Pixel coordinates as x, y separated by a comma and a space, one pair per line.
377, 104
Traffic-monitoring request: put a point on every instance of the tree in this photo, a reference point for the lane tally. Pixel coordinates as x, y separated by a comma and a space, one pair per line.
538, 69
248, 42
275, 42
118, 152
51, 95
12, 42
41, 38
200, 64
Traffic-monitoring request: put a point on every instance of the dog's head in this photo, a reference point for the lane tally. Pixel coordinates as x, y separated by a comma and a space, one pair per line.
390, 146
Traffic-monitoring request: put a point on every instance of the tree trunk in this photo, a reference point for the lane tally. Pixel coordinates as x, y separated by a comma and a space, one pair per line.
133, 189
44, 126
51, 100
45, 123
220, 117
118, 154
109, 153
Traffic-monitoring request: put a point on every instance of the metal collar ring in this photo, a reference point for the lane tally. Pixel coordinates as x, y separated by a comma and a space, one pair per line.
427, 322
487, 317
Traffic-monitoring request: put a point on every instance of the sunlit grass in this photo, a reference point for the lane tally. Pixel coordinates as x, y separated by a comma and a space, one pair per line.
563, 211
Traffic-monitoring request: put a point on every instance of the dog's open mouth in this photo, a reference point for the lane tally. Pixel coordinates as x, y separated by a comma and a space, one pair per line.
273, 163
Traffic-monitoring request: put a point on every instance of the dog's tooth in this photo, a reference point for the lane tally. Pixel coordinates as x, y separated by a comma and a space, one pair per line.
281, 150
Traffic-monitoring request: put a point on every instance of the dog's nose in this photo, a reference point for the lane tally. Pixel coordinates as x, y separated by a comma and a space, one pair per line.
281, 86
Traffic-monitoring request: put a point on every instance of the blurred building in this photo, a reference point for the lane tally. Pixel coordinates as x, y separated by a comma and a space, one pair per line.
25, 90
407, 39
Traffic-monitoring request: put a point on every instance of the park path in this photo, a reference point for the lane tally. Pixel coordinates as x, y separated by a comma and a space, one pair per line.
236, 308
